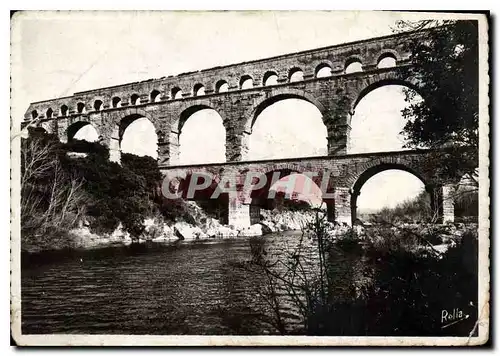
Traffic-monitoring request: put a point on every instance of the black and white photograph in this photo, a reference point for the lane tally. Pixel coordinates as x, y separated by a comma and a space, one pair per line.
250, 178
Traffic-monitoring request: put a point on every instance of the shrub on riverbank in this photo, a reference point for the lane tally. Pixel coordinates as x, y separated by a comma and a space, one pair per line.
52, 199
389, 281
59, 190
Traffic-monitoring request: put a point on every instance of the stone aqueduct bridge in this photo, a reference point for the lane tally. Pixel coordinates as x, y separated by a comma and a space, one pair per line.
239, 93
340, 176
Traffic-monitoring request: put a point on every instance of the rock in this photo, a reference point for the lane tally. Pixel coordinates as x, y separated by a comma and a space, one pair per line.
198, 233
225, 231
254, 230
275, 221
268, 227
168, 232
184, 231
164, 233
212, 227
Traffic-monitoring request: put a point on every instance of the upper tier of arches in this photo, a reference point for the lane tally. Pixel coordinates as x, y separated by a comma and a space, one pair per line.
303, 66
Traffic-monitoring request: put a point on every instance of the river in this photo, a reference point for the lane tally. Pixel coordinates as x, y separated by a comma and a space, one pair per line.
178, 288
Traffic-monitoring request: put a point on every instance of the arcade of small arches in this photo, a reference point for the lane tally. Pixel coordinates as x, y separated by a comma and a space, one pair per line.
169, 140
354, 64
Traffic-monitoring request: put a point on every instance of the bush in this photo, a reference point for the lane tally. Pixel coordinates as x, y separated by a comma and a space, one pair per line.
412, 211
107, 192
391, 283
52, 199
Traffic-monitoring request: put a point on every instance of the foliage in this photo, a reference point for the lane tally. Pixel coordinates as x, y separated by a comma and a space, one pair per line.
119, 193
52, 199
419, 210
411, 290
173, 209
445, 64
467, 205
410, 211
393, 282
113, 193
146, 167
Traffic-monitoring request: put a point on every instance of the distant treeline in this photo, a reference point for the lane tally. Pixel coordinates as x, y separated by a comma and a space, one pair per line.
419, 209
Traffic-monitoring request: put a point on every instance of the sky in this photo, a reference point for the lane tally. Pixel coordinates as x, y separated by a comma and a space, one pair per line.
55, 54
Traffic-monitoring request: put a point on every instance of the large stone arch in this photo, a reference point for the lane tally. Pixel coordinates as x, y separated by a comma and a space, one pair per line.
120, 120
372, 82
276, 95
181, 115
187, 111
272, 96
73, 129
135, 111
369, 169
285, 169
360, 87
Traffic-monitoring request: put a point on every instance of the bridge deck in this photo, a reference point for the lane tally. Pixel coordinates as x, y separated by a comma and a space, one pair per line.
298, 159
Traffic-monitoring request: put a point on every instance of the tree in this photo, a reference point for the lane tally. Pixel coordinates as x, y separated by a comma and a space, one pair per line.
52, 199
118, 193
444, 58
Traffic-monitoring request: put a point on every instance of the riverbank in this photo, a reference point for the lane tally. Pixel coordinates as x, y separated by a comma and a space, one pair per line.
156, 229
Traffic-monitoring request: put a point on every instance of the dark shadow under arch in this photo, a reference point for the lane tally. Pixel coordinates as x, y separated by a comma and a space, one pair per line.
259, 196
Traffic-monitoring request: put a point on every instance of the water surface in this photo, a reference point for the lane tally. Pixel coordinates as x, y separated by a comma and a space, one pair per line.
179, 288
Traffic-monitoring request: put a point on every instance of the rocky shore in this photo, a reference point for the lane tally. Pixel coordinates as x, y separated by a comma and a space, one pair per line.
206, 229
202, 227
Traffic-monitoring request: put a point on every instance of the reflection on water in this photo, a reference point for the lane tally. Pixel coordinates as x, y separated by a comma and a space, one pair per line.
181, 288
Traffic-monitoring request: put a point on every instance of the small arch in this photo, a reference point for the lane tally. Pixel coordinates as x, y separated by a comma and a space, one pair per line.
176, 93
155, 96
116, 102
295, 75
34, 114
97, 105
221, 86
64, 110
246, 82
387, 60
323, 70
134, 99
353, 65
49, 113
80, 107
198, 90
270, 78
